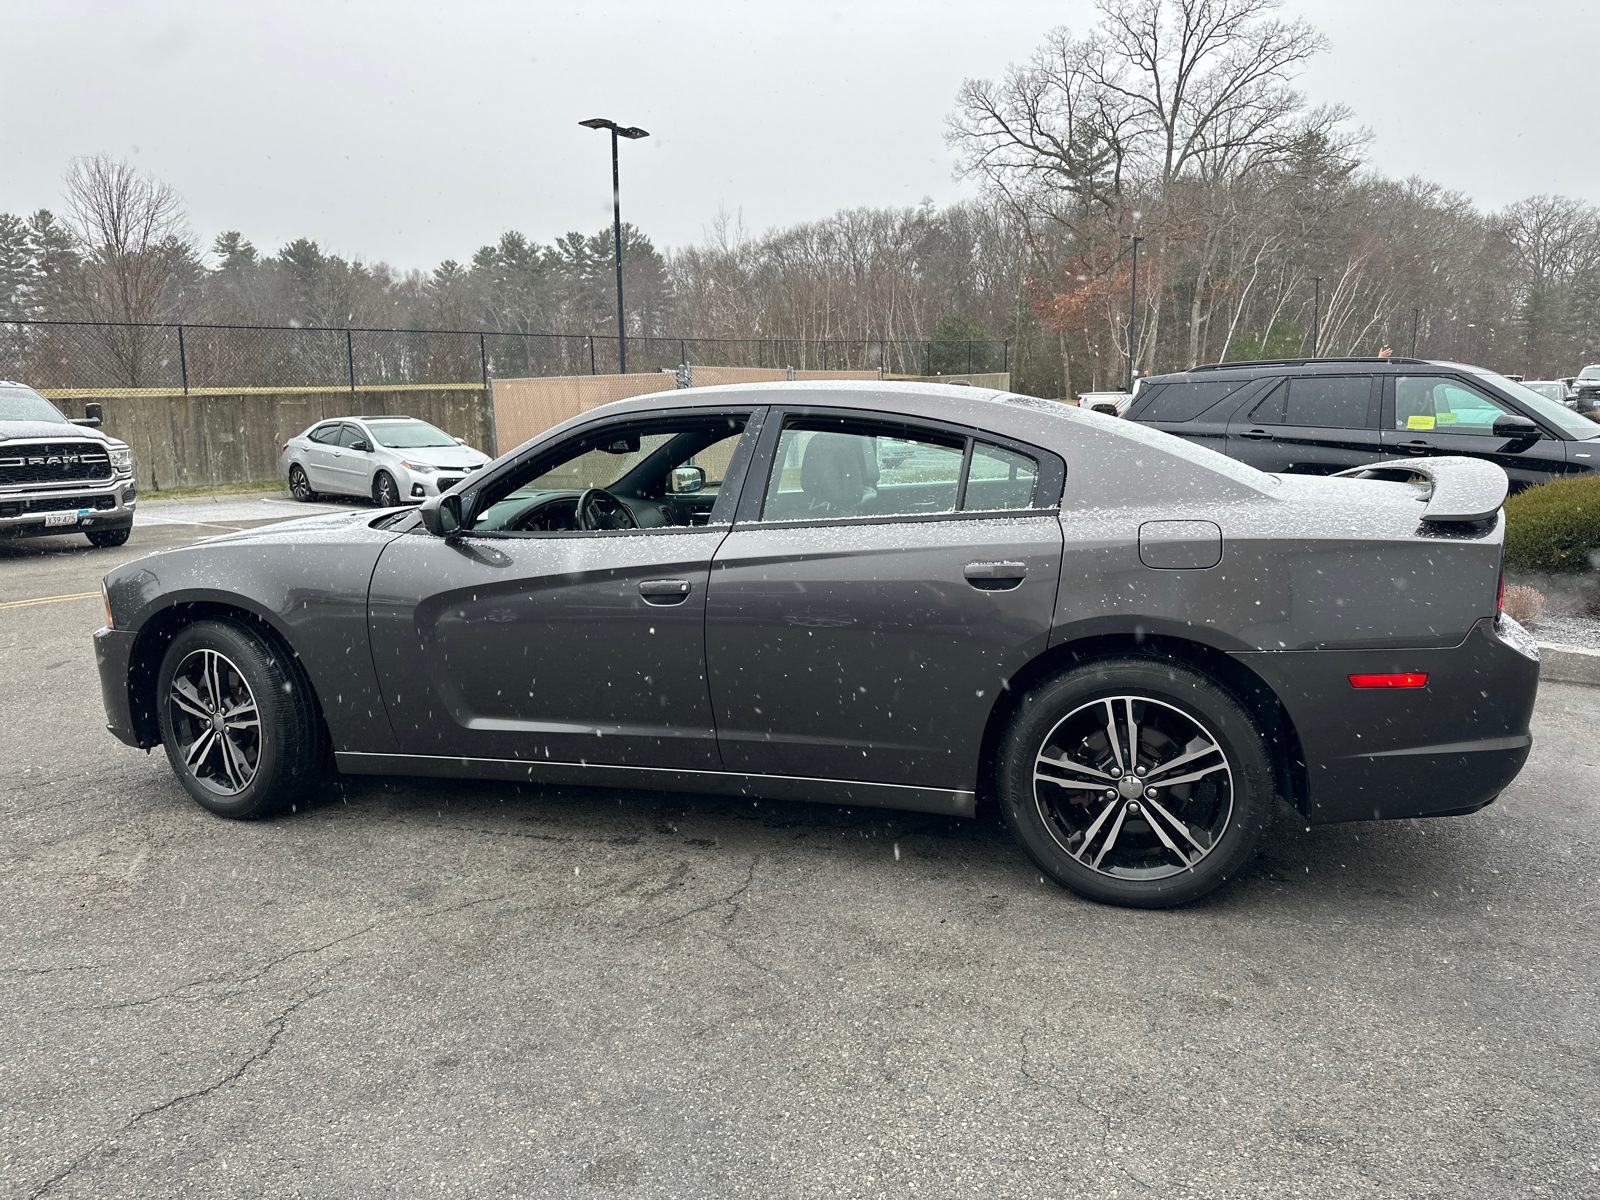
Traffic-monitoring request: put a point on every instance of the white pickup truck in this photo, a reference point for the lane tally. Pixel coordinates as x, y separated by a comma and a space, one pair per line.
61, 476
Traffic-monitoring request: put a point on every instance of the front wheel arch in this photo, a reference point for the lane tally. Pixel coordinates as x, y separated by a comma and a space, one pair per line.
1248, 688
156, 634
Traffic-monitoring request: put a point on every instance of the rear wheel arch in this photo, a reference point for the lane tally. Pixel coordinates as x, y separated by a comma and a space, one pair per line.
156, 634
1249, 689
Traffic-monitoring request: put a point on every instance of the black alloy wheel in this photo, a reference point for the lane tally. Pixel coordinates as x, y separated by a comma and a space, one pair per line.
385, 492
299, 485
109, 537
238, 721
1136, 781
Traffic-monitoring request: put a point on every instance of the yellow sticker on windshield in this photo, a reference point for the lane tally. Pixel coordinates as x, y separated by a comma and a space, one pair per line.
1446, 418
1419, 422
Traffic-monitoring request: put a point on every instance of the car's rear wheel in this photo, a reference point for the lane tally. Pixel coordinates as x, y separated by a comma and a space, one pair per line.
385, 492
1136, 781
299, 485
237, 720
109, 537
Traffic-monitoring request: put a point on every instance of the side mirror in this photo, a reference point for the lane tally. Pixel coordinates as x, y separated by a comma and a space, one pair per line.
687, 480
94, 413
362, 445
461, 441
441, 515
1520, 429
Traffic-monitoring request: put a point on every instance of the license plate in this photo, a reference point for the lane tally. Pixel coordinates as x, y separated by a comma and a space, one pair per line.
66, 518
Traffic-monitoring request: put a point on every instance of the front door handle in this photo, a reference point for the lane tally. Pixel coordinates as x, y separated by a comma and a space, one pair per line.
995, 576
1256, 435
1416, 446
664, 591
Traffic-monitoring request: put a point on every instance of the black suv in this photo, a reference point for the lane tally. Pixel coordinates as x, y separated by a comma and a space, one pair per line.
1322, 415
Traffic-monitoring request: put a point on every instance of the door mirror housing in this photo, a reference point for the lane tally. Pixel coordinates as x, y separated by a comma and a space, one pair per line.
441, 515
687, 480
1521, 429
461, 441
93, 415
362, 445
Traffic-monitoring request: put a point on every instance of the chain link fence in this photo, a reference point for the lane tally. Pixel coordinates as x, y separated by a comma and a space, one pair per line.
95, 355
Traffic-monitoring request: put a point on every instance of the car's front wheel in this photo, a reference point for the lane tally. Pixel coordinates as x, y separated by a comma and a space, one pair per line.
299, 485
385, 492
237, 720
1136, 781
109, 537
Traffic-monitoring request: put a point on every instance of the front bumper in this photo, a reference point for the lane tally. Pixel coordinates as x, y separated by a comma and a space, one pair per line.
113, 656
1441, 750
416, 486
79, 508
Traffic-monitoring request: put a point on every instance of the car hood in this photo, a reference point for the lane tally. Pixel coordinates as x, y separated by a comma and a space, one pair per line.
327, 527
41, 430
458, 457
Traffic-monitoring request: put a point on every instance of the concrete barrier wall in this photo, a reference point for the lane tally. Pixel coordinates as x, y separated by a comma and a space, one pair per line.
236, 437
1000, 381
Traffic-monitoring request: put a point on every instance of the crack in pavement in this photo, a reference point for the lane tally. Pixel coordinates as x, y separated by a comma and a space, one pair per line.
301, 952
278, 1024
1077, 1098
715, 903
51, 970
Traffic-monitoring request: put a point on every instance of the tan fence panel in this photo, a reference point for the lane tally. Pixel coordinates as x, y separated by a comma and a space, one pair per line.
1000, 381
227, 438
525, 408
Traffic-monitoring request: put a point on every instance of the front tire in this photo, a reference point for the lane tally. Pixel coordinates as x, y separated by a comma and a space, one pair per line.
1136, 781
109, 537
237, 720
299, 485
385, 492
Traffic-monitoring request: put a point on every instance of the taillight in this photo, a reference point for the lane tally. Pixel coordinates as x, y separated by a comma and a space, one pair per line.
1500, 596
1407, 679
285, 447
105, 598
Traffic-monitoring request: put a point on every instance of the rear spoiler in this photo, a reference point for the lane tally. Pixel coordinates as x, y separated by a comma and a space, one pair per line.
1463, 489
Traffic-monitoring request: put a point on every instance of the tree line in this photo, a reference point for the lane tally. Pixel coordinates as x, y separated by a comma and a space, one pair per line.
1262, 233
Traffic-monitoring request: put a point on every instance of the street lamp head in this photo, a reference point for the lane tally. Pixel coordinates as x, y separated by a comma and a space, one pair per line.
631, 132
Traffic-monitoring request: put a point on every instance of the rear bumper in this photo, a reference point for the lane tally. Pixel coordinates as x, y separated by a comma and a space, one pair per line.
113, 655
80, 509
1441, 750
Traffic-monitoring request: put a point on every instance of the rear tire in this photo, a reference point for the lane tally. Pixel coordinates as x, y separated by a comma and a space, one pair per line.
1149, 833
109, 537
299, 485
385, 492
223, 682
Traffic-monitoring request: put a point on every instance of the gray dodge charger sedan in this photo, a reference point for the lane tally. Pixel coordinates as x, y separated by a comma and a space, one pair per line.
899, 595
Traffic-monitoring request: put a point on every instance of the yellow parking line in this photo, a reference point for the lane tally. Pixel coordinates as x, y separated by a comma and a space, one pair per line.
48, 599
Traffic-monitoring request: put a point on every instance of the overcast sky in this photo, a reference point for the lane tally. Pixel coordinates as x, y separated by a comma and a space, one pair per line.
416, 132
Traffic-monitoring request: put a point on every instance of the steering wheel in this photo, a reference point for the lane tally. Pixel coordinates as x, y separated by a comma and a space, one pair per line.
599, 509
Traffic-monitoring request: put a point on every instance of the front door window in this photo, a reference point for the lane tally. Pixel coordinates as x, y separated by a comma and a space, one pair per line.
1434, 405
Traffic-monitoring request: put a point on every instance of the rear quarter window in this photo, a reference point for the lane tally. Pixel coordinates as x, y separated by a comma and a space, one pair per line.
1184, 401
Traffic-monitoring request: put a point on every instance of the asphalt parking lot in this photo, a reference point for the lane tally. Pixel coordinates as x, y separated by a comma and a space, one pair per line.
490, 990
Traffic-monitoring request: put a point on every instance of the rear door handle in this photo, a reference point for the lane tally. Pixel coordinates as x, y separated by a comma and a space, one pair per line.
995, 576
664, 591
1256, 435
1416, 446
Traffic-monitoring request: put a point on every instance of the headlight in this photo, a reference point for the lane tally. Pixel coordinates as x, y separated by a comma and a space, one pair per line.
122, 460
419, 468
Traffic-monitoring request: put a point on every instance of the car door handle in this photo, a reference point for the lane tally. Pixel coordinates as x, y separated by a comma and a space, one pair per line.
1256, 435
1416, 446
664, 591
995, 576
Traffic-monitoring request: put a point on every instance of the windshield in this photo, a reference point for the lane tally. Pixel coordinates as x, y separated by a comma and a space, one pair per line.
408, 435
1590, 373
25, 404
1557, 414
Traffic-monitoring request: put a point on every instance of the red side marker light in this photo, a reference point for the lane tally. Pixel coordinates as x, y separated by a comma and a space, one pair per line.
1411, 679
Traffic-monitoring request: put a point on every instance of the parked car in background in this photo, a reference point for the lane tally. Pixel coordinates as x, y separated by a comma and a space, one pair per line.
895, 595
391, 459
1551, 389
1586, 388
61, 475
1326, 415
1113, 404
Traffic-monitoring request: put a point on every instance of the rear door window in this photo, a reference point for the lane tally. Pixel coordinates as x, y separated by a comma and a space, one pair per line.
999, 479
327, 435
1325, 401
824, 471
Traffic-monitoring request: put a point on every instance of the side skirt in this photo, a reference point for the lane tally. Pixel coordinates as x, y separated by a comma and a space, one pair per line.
721, 783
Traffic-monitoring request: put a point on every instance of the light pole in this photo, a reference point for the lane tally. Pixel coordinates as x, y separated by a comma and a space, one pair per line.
1133, 311
632, 134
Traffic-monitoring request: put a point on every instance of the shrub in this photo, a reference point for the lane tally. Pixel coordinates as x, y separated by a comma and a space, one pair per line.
1523, 604
1555, 527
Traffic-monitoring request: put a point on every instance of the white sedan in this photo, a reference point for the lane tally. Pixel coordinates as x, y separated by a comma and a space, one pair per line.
391, 459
